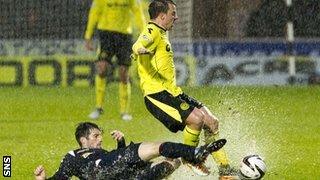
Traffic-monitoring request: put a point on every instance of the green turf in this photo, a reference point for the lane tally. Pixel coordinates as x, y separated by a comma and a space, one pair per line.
279, 123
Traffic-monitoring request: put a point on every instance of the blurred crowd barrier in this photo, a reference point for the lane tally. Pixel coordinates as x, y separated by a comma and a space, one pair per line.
254, 63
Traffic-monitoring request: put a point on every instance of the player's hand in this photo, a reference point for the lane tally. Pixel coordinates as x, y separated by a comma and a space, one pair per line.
117, 135
40, 173
89, 45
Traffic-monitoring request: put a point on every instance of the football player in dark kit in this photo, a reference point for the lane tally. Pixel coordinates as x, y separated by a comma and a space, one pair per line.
90, 161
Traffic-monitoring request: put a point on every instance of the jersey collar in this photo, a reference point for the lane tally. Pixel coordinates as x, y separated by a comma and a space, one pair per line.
157, 25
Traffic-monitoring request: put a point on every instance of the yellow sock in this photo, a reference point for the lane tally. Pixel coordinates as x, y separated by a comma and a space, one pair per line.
220, 156
100, 85
124, 97
190, 136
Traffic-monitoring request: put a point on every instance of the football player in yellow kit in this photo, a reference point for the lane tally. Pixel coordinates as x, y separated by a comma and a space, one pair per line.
112, 18
163, 98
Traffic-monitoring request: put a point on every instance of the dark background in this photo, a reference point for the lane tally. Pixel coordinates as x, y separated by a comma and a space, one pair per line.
226, 19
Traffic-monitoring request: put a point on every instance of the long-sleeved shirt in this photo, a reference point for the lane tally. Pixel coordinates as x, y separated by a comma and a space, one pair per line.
156, 69
86, 163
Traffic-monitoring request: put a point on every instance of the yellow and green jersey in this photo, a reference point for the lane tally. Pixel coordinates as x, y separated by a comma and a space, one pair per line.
156, 70
114, 15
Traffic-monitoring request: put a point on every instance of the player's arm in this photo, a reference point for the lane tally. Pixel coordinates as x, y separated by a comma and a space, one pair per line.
139, 18
93, 17
66, 169
119, 137
147, 42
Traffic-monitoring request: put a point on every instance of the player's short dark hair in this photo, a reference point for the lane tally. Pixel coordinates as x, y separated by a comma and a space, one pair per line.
83, 130
159, 6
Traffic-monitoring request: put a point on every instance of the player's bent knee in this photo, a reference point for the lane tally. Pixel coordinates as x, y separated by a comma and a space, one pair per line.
215, 121
101, 71
211, 123
149, 150
196, 118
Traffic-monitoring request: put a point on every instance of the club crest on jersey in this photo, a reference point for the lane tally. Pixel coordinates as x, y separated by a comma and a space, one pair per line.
184, 106
145, 37
85, 155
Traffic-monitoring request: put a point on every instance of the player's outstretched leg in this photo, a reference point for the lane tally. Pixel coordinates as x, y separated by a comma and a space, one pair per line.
201, 155
203, 151
189, 153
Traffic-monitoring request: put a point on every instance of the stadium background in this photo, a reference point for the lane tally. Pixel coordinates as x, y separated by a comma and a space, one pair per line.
230, 54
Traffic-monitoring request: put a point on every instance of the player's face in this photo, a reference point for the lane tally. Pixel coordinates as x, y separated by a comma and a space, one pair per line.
170, 17
94, 139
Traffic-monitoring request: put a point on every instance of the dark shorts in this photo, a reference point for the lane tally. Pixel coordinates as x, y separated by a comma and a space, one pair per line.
170, 110
115, 44
122, 163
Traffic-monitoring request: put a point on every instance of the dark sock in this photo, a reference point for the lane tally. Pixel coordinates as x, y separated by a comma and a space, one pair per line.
176, 150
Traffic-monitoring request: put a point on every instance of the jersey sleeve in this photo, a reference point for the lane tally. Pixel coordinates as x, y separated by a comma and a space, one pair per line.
121, 143
149, 39
93, 17
66, 169
139, 18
